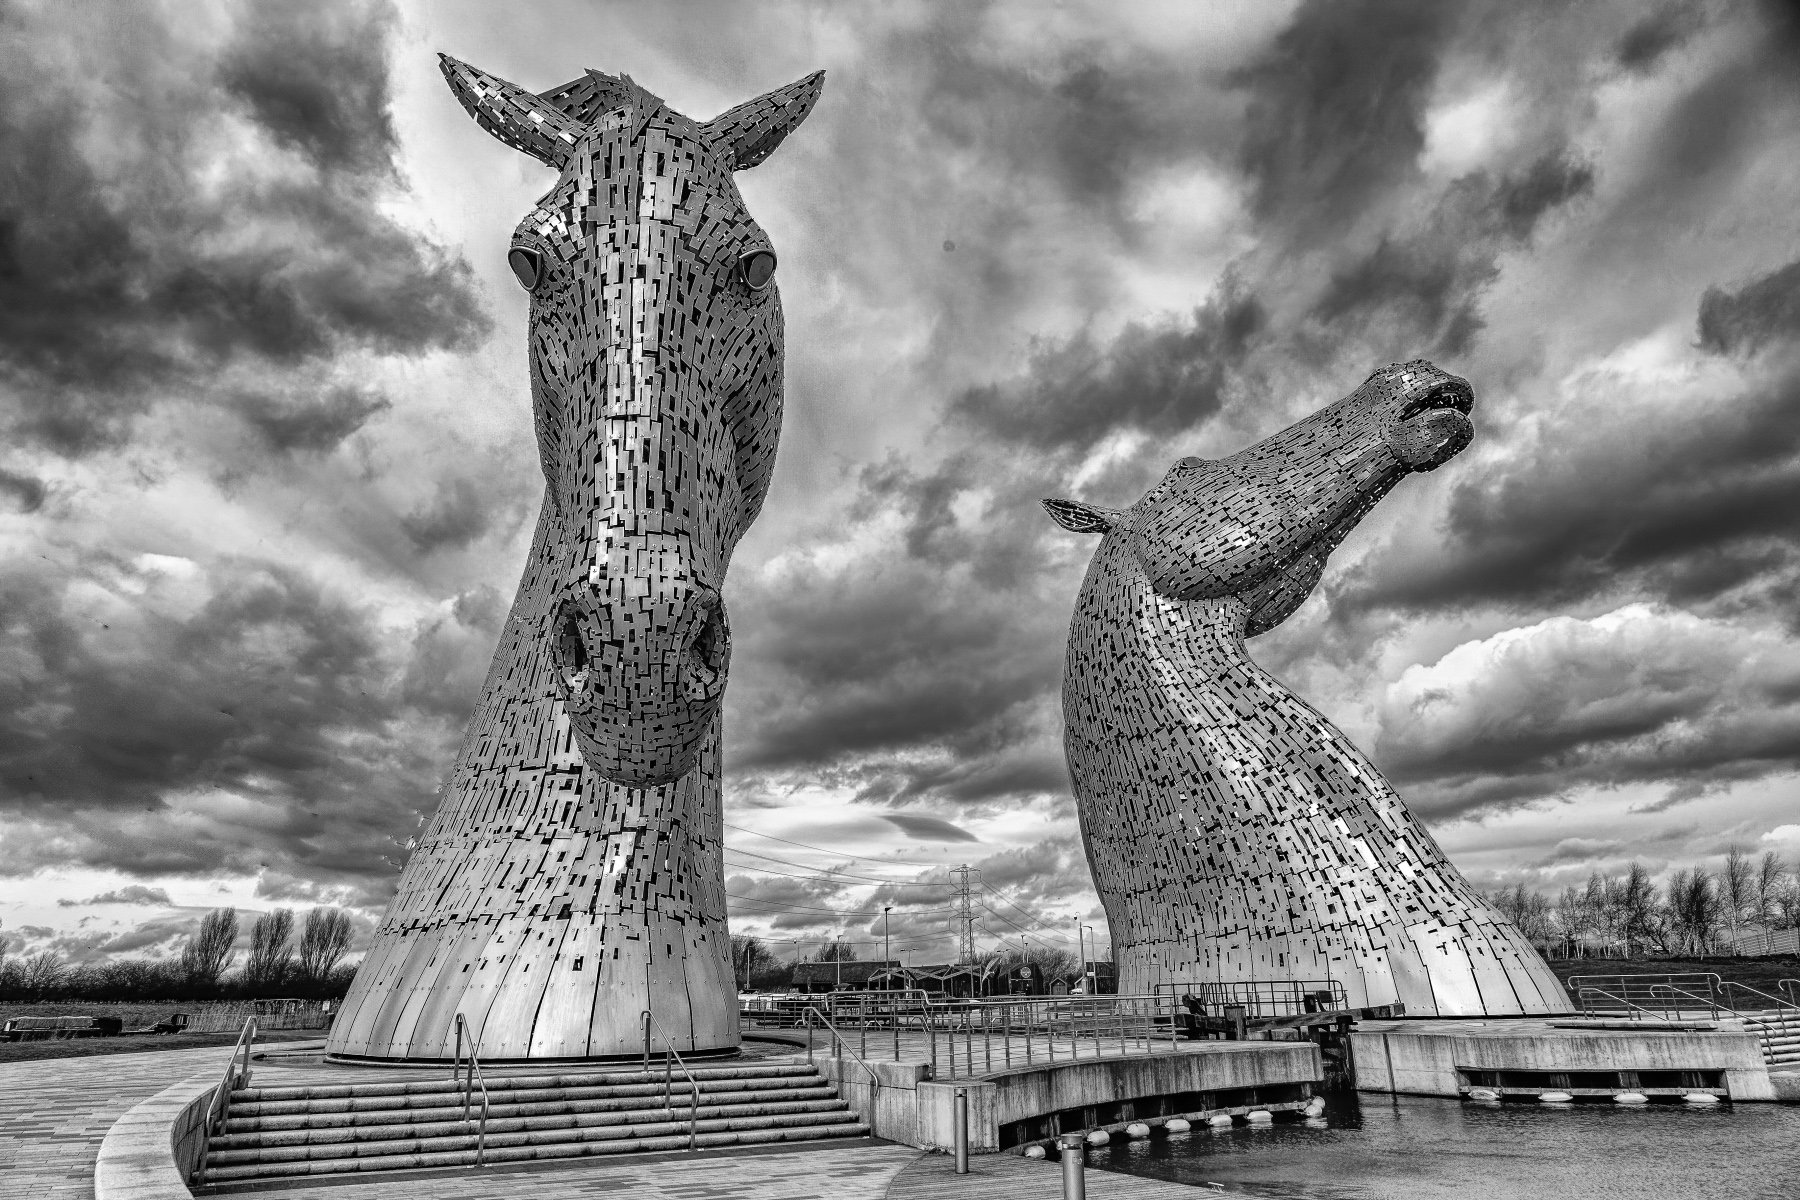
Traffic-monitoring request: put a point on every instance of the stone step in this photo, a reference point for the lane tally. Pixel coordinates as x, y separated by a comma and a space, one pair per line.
237, 1122
225, 1146
497, 1082
465, 1157
386, 1100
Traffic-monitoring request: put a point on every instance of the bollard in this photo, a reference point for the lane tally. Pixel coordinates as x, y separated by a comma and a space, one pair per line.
962, 1131
1074, 1183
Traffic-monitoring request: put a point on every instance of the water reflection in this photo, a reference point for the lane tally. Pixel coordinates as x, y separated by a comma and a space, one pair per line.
1414, 1148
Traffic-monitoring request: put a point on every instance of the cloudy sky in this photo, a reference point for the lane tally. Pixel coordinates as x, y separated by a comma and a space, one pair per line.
267, 478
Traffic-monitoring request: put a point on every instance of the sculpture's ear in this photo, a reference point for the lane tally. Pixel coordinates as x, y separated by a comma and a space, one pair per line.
512, 114
1077, 517
750, 132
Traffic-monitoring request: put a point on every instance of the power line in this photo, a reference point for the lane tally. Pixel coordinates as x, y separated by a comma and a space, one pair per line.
788, 862
823, 878
1021, 910
836, 912
888, 862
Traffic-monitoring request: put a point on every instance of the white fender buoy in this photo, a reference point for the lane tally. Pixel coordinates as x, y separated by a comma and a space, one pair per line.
1483, 1094
1137, 1130
1219, 1121
1177, 1125
1555, 1098
1631, 1098
1700, 1098
1259, 1117
1098, 1137
1315, 1106
1034, 1152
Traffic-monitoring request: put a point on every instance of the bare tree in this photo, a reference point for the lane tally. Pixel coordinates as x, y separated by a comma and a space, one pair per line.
1787, 902
1695, 909
1737, 891
323, 944
750, 958
1771, 874
208, 951
43, 974
271, 951
835, 951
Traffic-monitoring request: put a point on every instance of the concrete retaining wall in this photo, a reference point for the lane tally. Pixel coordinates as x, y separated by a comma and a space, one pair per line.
1422, 1059
916, 1110
149, 1152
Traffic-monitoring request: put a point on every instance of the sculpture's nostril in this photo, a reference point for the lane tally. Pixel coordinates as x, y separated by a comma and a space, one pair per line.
571, 648
708, 654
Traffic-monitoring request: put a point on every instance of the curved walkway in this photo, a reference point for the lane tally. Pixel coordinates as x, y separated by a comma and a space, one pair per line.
55, 1112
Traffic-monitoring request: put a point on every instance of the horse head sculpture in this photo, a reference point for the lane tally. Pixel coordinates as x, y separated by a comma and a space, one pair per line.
655, 348
1235, 835
571, 884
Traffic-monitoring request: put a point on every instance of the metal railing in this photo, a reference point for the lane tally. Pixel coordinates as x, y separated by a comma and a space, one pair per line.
1667, 996
670, 1061
813, 1019
1792, 988
1261, 999
963, 1036
1780, 1004
471, 1074
236, 1075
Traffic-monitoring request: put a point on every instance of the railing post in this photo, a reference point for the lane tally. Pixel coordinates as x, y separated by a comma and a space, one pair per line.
1074, 1183
646, 1021
962, 1131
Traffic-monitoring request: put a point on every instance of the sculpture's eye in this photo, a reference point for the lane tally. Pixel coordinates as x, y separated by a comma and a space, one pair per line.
527, 264
756, 269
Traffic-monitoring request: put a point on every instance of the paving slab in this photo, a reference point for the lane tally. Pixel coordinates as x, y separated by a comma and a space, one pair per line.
1010, 1177
54, 1114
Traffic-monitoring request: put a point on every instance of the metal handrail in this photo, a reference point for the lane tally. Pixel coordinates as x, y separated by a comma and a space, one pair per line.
1791, 986
472, 1078
839, 1042
220, 1104
1711, 1002
1744, 987
649, 1022
1586, 991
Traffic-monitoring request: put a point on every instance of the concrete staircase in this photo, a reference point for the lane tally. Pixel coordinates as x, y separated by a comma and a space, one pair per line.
1778, 1032
280, 1132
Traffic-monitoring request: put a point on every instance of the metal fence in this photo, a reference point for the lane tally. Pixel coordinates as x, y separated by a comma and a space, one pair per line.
1691, 995
1260, 999
970, 1036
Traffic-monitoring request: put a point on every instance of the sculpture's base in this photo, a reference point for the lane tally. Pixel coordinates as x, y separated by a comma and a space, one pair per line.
656, 1056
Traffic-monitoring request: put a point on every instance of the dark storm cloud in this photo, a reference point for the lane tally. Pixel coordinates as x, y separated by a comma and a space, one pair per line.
145, 247
316, 79
1334, 120
1640, 696
1764, 311
26, 492
922, 827
309, 423
1159, 379
135, 893
1645, 44
456, 516
1698, 503
151, 734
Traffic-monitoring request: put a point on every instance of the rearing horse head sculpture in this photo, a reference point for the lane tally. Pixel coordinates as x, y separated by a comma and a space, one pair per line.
656, 367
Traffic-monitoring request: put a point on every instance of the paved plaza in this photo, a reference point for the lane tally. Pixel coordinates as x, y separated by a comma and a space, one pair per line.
54, 1114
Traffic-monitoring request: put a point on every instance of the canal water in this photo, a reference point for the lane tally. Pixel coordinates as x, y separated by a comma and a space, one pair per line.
1369, 1147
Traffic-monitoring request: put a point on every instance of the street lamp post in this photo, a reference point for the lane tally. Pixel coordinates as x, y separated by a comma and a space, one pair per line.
1090, 980
1080, 959
887, 953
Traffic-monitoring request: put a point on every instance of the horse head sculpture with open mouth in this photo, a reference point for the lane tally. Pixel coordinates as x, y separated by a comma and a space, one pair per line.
572, 878
1237, 839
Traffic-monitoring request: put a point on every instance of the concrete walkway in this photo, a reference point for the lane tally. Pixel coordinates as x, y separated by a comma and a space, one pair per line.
1009, 1177
54, 1113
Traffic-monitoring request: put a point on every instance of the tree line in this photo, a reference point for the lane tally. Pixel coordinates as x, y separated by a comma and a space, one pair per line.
276, 965
757, 967
1697, 911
